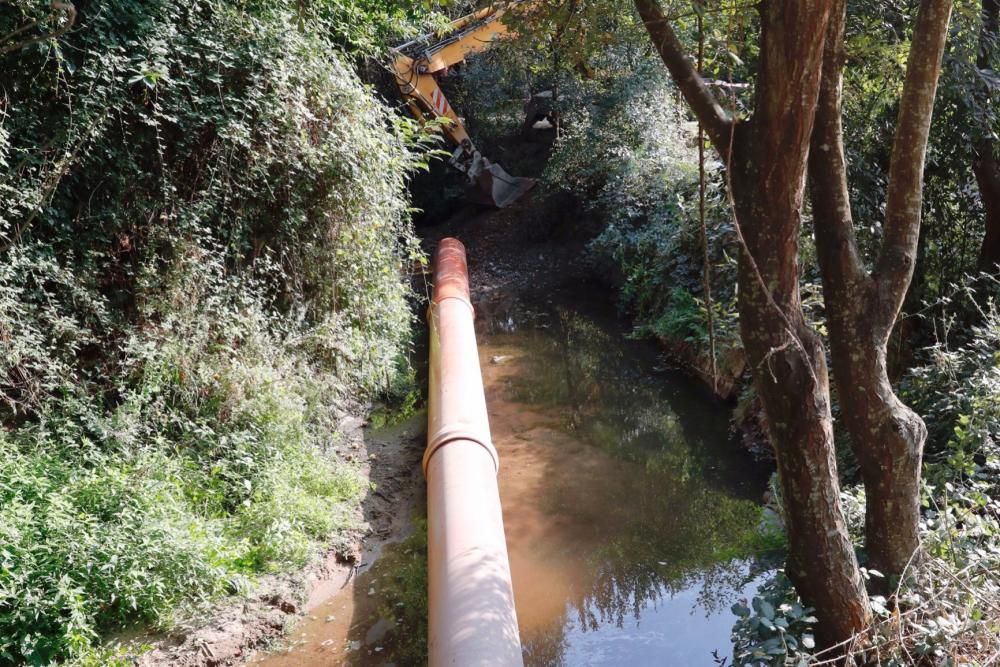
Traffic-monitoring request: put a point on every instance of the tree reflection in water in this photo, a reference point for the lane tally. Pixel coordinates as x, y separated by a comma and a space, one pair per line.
672, 505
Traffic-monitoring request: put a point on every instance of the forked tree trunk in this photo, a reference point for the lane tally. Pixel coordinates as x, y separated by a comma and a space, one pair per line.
766, 158
794, 391
986, 163
887, 436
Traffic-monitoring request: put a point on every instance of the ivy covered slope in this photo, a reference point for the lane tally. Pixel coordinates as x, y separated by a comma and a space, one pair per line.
203, 237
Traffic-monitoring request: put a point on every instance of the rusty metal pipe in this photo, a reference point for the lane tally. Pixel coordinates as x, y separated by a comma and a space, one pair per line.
470, 597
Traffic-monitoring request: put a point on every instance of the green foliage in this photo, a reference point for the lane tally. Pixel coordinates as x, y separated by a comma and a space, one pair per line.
685, 319
205, 240
957, 391
86, 548
632, 157
365, 28
776, 630
951, 596
211, 466
943, 606
573, 50
964, 113
402, 398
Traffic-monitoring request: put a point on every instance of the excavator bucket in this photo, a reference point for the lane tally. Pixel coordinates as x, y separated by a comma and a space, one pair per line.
500, 189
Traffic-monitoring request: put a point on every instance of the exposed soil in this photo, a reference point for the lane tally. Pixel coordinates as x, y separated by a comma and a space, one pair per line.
531, 246
239, 627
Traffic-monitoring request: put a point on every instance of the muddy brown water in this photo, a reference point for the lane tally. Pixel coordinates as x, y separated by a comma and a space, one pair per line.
629, 510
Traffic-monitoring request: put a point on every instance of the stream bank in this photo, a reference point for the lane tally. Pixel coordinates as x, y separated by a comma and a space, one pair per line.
238, 629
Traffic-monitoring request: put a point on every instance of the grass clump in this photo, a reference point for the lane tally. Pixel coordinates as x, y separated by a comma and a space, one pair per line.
404, 596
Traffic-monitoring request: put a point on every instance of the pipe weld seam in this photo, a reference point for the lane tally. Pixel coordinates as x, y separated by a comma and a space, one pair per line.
441, 439
467, 302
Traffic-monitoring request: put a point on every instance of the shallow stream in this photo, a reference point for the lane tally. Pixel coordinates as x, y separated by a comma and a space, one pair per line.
630, 512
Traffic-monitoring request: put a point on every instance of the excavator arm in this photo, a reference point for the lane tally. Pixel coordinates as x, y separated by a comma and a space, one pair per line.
415, 66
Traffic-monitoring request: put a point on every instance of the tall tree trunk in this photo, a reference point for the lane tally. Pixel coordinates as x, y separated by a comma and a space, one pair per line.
986, 167
986, 163
887, 436
766, 158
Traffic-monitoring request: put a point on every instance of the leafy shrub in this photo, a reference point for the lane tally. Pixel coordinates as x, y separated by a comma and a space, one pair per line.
684, 320
776, 631
212, 465
204, 251
84, 548
632, 157
957, 391
942, 611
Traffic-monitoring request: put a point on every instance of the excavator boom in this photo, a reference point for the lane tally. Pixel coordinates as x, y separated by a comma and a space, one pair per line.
415, 65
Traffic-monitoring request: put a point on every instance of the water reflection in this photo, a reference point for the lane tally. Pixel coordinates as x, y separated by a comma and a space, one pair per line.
630, 513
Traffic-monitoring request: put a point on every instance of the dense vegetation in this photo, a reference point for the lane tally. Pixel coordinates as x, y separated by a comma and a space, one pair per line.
204, 248
205, 239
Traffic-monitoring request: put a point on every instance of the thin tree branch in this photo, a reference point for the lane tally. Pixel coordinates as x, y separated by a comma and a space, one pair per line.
27, 26
68, 12
832, 219
704, 105
894, 268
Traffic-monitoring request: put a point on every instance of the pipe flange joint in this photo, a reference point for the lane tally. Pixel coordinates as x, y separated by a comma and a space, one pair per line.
447, 436
437, 301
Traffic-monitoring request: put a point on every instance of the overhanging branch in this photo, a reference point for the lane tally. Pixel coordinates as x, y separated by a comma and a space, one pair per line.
704, 105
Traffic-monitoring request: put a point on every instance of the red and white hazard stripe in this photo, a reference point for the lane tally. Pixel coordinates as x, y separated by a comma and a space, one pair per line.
439, 102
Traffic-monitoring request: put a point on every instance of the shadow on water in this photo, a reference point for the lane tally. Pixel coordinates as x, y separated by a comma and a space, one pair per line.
631, 514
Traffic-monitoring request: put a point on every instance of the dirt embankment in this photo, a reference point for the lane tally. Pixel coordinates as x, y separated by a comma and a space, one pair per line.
232, 631
537, 244
541, 243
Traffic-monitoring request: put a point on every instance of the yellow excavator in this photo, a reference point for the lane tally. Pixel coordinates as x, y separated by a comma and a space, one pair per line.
416, 65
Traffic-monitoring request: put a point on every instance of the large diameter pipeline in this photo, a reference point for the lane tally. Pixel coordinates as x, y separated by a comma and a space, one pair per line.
470, 597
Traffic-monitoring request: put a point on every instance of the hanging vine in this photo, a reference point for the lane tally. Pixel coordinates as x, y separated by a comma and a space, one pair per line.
706, 263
